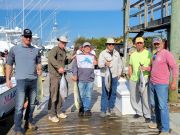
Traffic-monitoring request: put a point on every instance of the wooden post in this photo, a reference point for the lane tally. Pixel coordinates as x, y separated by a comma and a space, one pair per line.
174, 41
126, 28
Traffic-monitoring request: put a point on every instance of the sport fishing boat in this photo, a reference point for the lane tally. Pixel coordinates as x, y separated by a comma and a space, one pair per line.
7, 98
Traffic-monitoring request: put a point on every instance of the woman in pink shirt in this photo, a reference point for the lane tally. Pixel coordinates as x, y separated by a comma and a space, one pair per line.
162, 63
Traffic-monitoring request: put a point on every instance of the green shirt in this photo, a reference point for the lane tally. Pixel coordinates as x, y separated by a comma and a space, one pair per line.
136, 59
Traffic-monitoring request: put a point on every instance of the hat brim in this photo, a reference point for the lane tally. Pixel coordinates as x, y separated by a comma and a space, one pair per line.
62, 41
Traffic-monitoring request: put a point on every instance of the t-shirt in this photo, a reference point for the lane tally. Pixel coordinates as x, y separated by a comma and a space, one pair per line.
26, 60
162, 63
136, 59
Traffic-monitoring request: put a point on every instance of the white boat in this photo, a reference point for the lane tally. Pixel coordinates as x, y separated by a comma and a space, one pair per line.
7, 98
9, 38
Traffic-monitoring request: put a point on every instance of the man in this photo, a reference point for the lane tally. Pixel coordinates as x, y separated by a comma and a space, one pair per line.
83, 72
109, 58
56, 62
139, 99
162, 63
27, 60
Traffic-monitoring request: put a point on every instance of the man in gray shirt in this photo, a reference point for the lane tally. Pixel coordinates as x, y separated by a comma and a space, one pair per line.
27, 60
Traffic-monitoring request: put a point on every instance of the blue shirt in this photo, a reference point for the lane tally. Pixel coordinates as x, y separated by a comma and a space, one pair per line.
26, 60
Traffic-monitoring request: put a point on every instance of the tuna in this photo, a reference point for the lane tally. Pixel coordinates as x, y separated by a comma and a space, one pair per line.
63, 87
108, 81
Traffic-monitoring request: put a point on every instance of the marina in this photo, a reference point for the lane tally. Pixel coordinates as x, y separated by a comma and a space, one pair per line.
141, 18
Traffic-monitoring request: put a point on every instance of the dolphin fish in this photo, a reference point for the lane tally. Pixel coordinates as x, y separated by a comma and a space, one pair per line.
63, 87
77, 99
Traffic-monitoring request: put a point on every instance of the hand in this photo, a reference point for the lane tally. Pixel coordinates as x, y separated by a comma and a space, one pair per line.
108, 63
61, 70
73, 57
142, 68
74, 78
173, 85
9, 84
95, 62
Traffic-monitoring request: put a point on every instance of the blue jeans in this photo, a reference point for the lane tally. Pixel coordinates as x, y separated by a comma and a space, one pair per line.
85, 90
23, 87
161, 105
105, 103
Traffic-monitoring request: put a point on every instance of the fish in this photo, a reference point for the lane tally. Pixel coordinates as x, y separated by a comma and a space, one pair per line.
142, 81
40, 89
77, 99
108, 81
63, 88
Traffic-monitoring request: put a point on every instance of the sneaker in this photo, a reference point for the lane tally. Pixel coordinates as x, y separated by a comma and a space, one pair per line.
54, 119
30, 126
136, 116
62, 115
147, 120
164, 133
112, 112
81, 112
103, 114
153, 125
19, 133
87, 113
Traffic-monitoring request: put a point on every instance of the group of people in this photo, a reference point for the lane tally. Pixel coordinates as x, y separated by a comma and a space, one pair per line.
27, 60
156, 69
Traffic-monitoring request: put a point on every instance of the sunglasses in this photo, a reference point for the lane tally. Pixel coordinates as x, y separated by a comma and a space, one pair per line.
110, 44
139, 43
28, 37
156, 44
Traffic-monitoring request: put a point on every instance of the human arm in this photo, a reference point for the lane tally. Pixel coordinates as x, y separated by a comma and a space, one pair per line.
52, 59
130, 71
9, 69
74, 70
174, 68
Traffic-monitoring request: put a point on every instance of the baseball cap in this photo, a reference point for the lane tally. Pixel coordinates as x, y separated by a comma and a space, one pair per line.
157, 40
86, 44
139, 39
27, 32
63, 39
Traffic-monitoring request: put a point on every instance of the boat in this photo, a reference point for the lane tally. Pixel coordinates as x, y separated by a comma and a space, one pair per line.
9, 37
7, 98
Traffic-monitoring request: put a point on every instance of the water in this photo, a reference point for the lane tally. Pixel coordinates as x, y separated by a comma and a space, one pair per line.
6, 123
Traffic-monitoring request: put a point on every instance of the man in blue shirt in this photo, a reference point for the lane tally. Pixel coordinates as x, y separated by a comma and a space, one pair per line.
27, 60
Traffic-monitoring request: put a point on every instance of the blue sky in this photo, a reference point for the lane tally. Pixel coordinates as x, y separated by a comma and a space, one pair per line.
87, 18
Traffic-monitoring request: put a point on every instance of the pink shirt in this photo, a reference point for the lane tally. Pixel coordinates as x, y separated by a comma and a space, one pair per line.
162, 63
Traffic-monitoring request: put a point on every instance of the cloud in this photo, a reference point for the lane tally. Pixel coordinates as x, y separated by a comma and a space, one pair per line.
63, 4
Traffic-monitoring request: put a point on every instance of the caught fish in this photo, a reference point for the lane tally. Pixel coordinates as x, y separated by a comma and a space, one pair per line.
77, 99
142, 81
108, 81
40, 89
63, 87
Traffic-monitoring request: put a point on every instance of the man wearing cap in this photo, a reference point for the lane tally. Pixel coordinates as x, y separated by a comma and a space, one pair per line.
162, 63
83, 72
56, 62
109, 58
27, 60
139, 98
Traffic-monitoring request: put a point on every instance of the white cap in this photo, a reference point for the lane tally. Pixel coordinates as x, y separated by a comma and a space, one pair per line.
86, 44
63, 39
110, 40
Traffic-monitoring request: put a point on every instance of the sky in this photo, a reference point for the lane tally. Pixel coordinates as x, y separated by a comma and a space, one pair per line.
74, 18
86, 18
